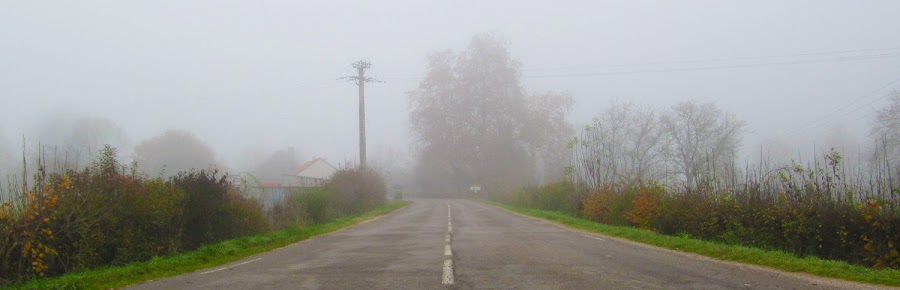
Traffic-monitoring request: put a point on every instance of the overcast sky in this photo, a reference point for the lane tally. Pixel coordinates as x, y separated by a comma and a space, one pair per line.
263, 74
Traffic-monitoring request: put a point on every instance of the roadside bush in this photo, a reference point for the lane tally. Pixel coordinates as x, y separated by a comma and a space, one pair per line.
27, 232
356, 190
647, 205
286, 215
316, 204
692, 212
104, 214
607, 205
807, 211
350, 191
121, 217
803, 223
882, 235
150, 219
558, 196
214, 211
239, 217
107, 214
517, 197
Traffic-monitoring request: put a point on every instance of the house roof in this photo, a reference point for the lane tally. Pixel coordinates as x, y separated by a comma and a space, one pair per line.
306, 166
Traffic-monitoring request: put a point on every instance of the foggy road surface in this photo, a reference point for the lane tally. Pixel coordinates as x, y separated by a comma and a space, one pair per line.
486, 248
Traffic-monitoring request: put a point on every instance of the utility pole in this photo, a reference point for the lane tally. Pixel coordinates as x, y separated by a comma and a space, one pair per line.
361, 81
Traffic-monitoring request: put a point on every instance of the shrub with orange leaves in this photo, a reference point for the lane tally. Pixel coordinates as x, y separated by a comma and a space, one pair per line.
805, 211
646, 207
105, 214
607, 205
881, 238
27, 226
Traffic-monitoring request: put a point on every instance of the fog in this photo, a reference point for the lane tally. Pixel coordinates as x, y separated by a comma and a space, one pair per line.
250, 79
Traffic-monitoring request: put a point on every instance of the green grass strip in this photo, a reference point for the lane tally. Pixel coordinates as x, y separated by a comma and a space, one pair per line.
204, 257
774, 259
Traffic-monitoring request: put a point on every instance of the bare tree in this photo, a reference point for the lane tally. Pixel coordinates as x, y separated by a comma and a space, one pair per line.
886, 130
89, 135
622, 144
702, 141
472, 110
173, 151
6, 156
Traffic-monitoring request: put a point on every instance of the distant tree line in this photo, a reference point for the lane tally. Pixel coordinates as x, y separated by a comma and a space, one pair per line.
690, 143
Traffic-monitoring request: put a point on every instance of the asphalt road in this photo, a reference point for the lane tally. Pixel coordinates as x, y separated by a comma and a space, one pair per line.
462, 244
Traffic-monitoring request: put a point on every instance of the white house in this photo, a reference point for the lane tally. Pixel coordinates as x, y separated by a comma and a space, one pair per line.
313, 173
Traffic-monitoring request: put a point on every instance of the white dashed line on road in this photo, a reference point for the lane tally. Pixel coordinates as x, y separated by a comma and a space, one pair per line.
593, 237
449, 219
447, 278
232, 266
448, 273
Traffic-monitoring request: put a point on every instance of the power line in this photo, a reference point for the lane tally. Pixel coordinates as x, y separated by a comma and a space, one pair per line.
709, 60
416, 77
830, 117
406, 77
837, 59
885, 96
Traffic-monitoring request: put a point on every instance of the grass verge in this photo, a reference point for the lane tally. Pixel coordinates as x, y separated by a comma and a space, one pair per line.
774, 259
204, 257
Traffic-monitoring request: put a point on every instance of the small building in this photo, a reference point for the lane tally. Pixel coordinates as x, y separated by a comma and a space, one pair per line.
270, 194
312, 173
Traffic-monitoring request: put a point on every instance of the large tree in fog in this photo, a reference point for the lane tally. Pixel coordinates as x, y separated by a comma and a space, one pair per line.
88, 135
392, 163
475, 123
173, 151
703, 141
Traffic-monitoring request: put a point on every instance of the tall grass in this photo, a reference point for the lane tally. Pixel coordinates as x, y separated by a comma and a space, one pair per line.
822, 209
